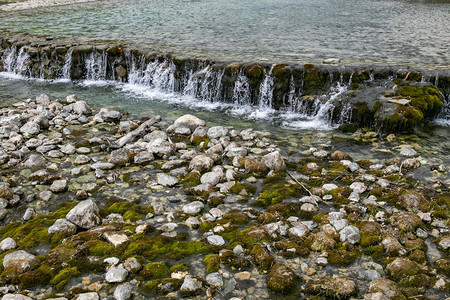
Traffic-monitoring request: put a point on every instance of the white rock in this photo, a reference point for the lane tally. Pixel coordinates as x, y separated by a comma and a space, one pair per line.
192, 222
116, 238
238, 250
84, 214
201, 163
62, 225
7, 244
87, 296
358, 187
193, 208
166, 179
116, 274
330, 186
215, 240
211, 177
123, 292
189, 121
58, 186
274, 161
214, 279
16, 297
20, 260
408, 152
300, 230
350, 234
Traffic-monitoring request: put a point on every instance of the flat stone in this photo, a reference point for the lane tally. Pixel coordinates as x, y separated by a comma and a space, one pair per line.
214, 279
408, 152
274, 161
102, 166
58, 186
400, 101
16, 297
190, 284
115, 238
193, 208
34, 161
166, 179
87, 296
243, 275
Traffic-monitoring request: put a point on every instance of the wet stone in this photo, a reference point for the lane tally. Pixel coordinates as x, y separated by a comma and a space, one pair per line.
116, 274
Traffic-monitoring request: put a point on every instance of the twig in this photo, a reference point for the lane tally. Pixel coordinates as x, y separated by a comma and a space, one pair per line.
299, 183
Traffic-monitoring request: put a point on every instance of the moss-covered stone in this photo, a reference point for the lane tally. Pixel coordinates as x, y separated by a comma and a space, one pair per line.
160, 286
344, 255
424, 98
281, 279
155, 270
262, 257
191, 179
212, 263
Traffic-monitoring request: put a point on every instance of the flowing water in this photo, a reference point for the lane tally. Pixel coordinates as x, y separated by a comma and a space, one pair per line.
402, 32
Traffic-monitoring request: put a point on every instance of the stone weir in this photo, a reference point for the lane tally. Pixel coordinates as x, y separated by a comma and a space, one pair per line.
387, 98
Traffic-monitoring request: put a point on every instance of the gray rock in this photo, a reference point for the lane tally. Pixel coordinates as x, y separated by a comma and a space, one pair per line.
34, 161
119, 157
29, 214
58, 186
112, 116
189, 121
81, 108
193, 208
143, 157
408, 152
132, 264
350, 234
16, 297
84, 214
201, 163
214, 279
217, 131
21, 261
211, 177
30, 128
116, 274
82, 159
7, 244
192, 222
102, 166
190, 284
358, 187
160, 147
215, 240
445, 243
166, 179
299, 230
123, 292
67, 149
87, 296
234, 150
248, 134
62, 226
274, 161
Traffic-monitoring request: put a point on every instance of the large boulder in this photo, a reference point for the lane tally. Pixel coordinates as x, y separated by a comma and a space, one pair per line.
281, 278
189, 121
62, 226
402, 267
84, 214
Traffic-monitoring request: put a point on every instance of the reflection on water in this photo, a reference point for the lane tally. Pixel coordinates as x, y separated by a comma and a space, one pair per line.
385, 32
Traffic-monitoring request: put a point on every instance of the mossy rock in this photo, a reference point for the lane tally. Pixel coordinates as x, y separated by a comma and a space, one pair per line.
239, 187
281, 279
424, 98
401, 268
212, 263
155, 270
405, 118
240, 263
235, 217
160, 286
181, 267
191, 179
262, 257
344, 255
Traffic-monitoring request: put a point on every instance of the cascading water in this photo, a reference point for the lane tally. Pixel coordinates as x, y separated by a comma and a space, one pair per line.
96, 66
16, 62
65, 71
266, 91
241, 91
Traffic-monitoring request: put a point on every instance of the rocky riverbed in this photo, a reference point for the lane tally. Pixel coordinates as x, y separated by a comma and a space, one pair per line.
97, 205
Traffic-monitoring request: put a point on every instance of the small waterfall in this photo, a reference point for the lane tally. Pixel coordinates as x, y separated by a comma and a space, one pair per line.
96, 66
197, 84
65, 71
241, 91
266, 91
16, 63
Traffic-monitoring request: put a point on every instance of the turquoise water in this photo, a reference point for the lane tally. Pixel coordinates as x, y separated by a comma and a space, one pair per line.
356, 31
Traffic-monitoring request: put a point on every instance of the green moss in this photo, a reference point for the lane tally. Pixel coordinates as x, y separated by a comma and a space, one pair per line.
63, 276
212, 263
181, 267
254, 73
238, 187
426, 99
191, 179
120, 207
154, 287
32, 279
344, 255
235, 217
155, 270
99, 248
182, 249
262, 257
206, 226
369, 240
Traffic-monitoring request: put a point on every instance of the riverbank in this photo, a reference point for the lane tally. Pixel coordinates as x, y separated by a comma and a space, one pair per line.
99, 205
33, 4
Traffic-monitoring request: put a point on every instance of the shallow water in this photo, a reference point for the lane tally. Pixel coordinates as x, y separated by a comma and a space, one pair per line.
431, 142
401, 32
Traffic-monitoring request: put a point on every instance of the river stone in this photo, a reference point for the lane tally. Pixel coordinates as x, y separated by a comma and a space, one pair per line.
392, 246
387, 288
248, 134
281, 278
217, 131
160, 147
156, 134
299, 230
329, 186
406, 221
84, 214
116, 274
123, 292
20, 261
401, 268
87, 296
339, 287
67, 149
16, 297
211, 177
408, 152
201, 163
7, 244
215, 240
112, 116
166, 179
143, 157
445, 243
190, 285
192, 222
358, 187
119, 157
34, 161
214, 279
81, 159
30, 128
274, 161
132, 265
102, 166
350, 234
189, 121
58, 186
116, 238
62, 226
